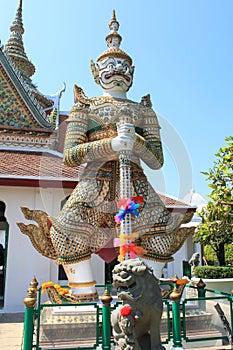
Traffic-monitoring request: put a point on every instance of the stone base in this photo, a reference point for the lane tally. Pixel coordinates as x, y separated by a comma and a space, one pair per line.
65, 326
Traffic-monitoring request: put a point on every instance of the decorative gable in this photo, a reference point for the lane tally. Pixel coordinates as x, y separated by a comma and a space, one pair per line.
17, 107
22, 120
13, 110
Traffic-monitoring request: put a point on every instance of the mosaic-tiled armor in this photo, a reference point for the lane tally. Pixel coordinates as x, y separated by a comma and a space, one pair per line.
86, 223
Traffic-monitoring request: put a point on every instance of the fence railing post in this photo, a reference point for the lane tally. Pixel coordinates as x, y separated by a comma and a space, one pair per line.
201, 294
30, 302
106, 320
175, 296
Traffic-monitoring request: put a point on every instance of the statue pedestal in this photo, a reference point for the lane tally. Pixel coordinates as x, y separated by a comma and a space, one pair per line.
68, 325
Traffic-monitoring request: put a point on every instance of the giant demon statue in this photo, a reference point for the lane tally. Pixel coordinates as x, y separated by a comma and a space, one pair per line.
86, 223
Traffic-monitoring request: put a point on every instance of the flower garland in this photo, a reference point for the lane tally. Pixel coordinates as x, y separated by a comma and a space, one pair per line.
46, 285
61, 291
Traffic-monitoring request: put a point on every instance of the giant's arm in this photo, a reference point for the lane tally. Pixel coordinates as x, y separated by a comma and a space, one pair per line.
77, 149
148, 145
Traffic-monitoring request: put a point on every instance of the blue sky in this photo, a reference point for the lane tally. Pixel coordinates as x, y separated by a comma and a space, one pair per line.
183, 56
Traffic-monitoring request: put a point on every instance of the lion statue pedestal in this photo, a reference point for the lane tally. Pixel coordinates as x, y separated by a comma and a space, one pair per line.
136, 323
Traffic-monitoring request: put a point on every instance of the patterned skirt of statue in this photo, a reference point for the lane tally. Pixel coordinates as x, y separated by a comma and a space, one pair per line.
86, 223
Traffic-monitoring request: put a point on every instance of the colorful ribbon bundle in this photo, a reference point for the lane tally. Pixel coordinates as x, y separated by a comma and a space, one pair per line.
128, 206
125, 242
128, 247
124, 238
132, 249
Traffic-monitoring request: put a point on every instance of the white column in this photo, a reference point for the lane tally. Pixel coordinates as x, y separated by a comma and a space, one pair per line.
80, 278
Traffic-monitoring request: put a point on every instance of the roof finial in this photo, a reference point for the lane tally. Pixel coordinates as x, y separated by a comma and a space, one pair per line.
18, 22
15, 47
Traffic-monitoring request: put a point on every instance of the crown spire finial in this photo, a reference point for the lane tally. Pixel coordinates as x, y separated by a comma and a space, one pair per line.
15, 47
113, 24
113, 39
113, 15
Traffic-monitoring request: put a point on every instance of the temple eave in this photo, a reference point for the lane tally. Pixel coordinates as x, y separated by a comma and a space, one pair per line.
37, 182
25, 129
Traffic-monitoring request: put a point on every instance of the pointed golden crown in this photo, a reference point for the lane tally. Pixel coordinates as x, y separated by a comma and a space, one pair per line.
113, 40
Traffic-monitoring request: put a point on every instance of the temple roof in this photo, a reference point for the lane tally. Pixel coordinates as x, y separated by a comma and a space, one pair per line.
15, 46
19, 107
172, 202
14, 50
36, 168
23, 109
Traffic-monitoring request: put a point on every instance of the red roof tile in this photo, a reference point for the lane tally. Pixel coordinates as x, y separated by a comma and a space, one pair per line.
171, 201
35, 164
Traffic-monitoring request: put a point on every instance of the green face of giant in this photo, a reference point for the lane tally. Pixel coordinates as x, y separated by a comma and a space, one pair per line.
115, 74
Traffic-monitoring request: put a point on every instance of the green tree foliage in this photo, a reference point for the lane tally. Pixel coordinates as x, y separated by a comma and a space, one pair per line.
211, 256
217, 216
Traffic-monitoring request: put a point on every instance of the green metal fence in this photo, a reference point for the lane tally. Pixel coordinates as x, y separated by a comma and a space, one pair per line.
87, 325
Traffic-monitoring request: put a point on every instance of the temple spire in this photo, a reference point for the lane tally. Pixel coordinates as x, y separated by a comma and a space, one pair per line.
15, 47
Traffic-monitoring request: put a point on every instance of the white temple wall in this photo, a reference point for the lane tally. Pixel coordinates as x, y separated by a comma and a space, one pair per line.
98, 267
23, 261
184, 253
175, 267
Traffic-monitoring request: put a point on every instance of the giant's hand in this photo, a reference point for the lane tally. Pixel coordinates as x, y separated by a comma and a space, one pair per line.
125, 138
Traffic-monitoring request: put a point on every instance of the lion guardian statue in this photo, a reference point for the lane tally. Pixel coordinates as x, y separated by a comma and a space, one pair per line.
136, 323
